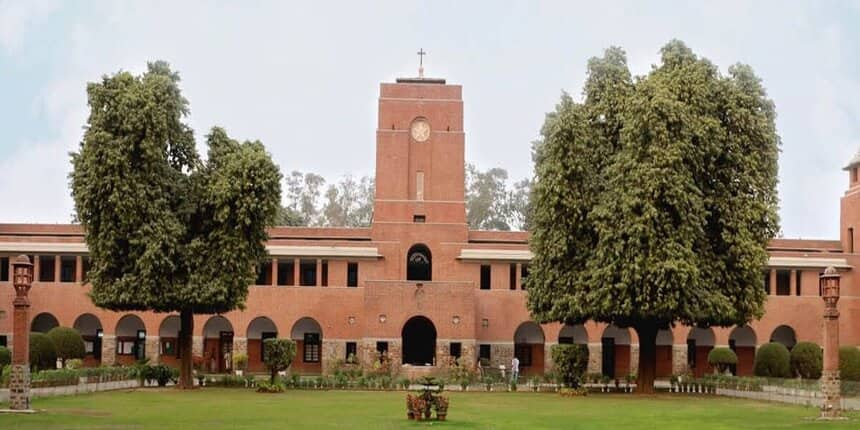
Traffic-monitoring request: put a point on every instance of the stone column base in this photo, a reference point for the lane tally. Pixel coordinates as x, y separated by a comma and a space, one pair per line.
108, 350
679, 359
153, 347
19, 387
595, 358
831, 404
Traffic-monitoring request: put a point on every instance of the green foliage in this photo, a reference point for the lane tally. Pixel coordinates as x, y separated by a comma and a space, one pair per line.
240, 361
849, 363
43, 353
278, 354
491, 204
570, 363
807, 360
68, 342
5, 356
655, 198
160, 373
721, 358
165, 230
772, 360
270, 387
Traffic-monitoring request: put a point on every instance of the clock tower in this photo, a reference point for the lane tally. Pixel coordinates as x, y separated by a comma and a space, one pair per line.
420, 153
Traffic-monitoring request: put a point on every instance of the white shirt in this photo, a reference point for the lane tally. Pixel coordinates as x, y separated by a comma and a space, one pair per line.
515, 364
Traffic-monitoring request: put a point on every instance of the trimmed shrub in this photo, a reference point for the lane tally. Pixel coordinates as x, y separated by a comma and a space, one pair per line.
5, 359
849, 363
43, 354
68, 342
722, 358
570, 363
806, 360
278, 354
772, 360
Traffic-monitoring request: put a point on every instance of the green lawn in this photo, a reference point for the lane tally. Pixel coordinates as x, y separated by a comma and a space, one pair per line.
243, 409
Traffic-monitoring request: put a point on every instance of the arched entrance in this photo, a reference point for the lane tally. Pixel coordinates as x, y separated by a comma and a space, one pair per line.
665, 340
784, 335
218, 344
615, 351
528, 348
700, 342
307, 334
43, 323
130, 339
419, 342
573, 334
260, 329
742, 341
90, 328
168, 340
419, 263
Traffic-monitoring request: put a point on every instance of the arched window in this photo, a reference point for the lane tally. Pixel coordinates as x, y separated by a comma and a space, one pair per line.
419, 264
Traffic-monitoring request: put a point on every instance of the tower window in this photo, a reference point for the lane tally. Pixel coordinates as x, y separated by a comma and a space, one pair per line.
46, 268
485, 276
419, 186
456, 349
419, 219
783, 282
352, 274
419, 264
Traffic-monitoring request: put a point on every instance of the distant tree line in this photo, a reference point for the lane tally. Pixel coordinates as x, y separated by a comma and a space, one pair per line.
491, 202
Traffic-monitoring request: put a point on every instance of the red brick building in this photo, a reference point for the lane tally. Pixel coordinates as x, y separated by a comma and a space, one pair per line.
417, 283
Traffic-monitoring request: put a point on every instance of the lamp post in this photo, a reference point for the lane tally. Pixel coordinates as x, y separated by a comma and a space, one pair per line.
830, 385
19, 379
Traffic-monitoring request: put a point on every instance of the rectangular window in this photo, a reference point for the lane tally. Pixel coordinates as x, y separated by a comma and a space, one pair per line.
456, 349
324, 274
382, 347
419, 219
352, 274
766, 281
4, 269
484, 354
46, 268
285, 273
168, 347
691, 353
263, 336
783, 282
513, 276
851, 240
485, 276
524, 353
87, 264
797, 279
308, 273
312, 348
351, 352
524, 273
125, 347
68, 268
4, 340
264, 274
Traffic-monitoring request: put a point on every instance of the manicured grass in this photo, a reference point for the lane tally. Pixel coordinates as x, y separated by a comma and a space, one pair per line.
244, 409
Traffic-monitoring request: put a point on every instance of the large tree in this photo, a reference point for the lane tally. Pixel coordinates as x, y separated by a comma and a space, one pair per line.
166, 231
655, 199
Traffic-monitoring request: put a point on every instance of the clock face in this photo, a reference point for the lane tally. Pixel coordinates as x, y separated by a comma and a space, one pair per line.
420, 130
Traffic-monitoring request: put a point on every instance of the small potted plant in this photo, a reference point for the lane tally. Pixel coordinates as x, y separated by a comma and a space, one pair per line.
441, 408
240, 362
197, 363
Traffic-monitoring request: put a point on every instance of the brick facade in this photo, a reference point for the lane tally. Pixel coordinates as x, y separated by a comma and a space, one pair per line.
420, 201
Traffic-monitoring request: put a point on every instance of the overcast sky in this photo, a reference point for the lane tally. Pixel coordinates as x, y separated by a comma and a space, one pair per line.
304, 77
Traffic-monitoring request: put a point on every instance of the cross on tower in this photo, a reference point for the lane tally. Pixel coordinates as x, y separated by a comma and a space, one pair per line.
421, 53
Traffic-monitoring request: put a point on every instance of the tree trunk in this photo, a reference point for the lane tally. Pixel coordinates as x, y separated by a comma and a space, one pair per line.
274, 375
647, 333
186, 349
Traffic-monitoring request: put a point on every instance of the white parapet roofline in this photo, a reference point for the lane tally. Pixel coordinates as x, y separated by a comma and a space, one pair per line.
274, 250
495, 254
808, 262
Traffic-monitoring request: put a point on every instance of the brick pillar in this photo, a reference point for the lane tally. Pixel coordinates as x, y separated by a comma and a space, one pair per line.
679, 359
57, 266
152, 349
772, 288
108, 349
547, 356
240, 346
595, 358
274, 272
792, 283
19, 378
197, 347
634, 359
296, 274
319, 273
830, 384
79, 269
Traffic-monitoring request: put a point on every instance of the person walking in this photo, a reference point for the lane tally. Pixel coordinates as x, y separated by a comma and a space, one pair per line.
515, 369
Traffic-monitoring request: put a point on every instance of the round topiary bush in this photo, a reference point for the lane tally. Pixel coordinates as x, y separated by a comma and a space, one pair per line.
570, 363
43, 354
806, 360
772, 360
68, 342
849, 363
722, 358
